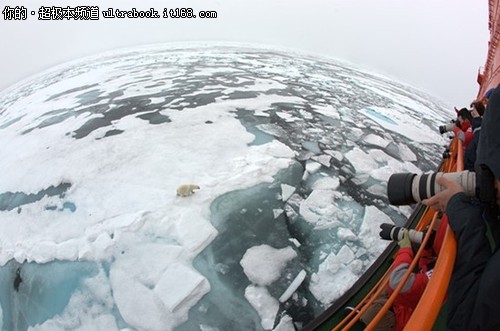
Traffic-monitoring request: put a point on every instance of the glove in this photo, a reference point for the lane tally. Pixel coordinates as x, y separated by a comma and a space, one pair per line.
405, 241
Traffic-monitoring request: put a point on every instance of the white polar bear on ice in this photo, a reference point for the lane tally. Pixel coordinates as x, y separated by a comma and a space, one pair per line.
187, 190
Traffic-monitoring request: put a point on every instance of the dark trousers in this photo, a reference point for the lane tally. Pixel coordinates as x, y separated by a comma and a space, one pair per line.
474, 289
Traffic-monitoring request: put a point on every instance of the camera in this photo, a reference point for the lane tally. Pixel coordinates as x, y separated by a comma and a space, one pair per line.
447, 127
408, 188
446, 154
392, 232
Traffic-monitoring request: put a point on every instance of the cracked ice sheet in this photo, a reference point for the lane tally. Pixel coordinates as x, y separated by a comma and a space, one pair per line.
403, 124
338, 272
125, 205
377, 164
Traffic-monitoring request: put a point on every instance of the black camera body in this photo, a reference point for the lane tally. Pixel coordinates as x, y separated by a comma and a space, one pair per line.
447, 127
392, 232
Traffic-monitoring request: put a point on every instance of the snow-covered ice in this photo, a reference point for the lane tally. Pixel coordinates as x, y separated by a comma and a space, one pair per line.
93, 152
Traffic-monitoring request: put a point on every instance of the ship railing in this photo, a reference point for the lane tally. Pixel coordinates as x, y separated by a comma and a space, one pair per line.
434, 296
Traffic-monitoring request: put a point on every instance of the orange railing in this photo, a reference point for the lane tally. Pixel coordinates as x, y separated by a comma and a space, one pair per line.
429, 306
427, 310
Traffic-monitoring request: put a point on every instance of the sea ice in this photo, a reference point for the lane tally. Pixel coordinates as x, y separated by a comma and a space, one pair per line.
263, 264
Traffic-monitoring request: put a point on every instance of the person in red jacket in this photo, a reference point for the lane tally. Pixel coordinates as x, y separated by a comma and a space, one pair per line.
407, 299
463, 129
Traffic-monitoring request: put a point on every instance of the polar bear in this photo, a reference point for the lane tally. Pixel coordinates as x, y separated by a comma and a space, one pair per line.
186, 190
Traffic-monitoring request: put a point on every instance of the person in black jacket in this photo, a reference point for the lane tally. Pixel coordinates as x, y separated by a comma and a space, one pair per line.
474, 289
476, 112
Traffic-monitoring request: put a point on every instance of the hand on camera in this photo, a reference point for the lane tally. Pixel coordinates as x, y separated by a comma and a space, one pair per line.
405, 241
439, 201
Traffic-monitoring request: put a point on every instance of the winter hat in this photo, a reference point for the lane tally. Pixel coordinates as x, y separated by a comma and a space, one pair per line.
488, 150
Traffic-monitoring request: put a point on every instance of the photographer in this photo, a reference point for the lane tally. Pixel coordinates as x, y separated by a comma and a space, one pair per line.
474, 288
463, 129
410, 293
477, 111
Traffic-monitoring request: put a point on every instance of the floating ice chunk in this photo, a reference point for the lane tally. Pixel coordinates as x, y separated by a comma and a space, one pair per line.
346, 235
193, 231
378, 190
292, 205
275, 148
287, 117
293, 286
263, 264
361, 161
295, 242
277, 212
406, 154
180, 288
382, 157
327, 284
305, 114
329, 111
286, 191
138, 305
266, 306
272, 129
312, 166
333, 263
311, 146
204, 327
356, 267
323, 159
326, 183
335, 154
285, 324
101, 322
372, 139
370, 228
147, 262
345, 255
354, 134
321, 209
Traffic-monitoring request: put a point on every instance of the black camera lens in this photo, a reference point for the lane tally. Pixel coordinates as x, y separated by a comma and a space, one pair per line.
447, 128
386, 230
446, 154
399, 189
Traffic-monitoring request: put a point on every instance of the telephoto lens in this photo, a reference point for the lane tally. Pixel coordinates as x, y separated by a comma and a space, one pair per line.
446, 128
392, 232
408, 188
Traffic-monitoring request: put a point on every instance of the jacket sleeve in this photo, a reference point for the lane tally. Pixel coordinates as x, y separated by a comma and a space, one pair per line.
415, 284
469, 135
473, 252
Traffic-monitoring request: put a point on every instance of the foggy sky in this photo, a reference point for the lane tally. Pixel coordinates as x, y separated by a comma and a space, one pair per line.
434, 45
